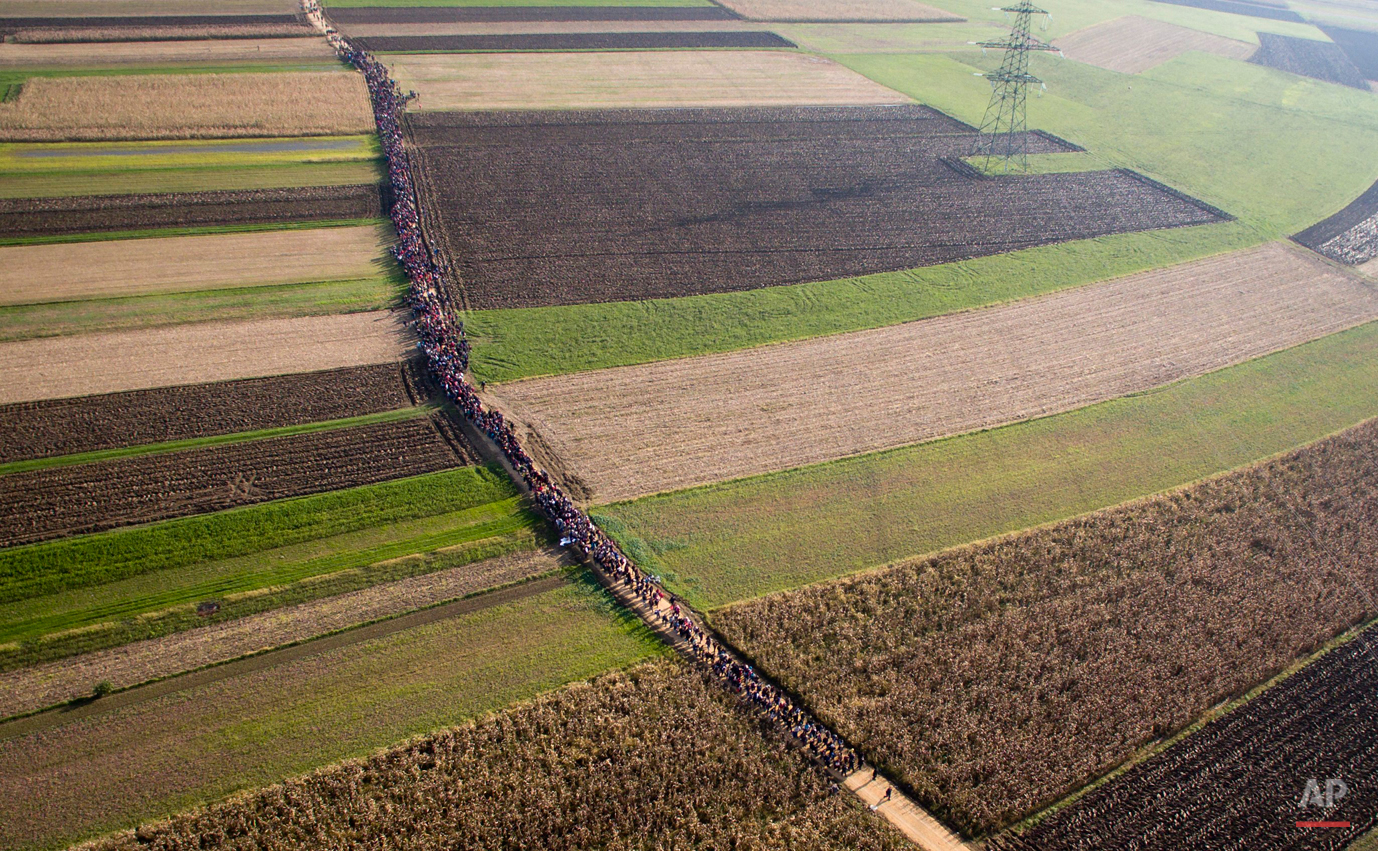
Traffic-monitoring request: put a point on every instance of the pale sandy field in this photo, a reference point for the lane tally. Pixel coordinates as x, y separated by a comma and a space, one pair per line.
667, 78
153, 52
638, 430
57, 367
1133, 44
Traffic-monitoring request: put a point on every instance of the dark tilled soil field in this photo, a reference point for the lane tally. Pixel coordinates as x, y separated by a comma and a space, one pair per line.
1308, 58
1351, 235
91, 213
1319, 723
1253, 10
569, 208
88, 423
59, 501
1360, 45
473, 14
575, 41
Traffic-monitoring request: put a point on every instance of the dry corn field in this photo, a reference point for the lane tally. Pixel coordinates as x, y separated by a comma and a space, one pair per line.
654, 757
189, 106
131, 267
62, 367
996, 678
626, 432
1133, 44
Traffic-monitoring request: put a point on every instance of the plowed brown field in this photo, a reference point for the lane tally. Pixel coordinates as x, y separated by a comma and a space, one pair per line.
1132, 44
128, 267
60, 367
37, 505
627, 432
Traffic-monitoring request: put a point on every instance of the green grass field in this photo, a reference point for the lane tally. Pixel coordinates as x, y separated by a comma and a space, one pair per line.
68, 157
162, 602
64, 184
26, 321
55, 566
1278, 151
732, 541
204, 743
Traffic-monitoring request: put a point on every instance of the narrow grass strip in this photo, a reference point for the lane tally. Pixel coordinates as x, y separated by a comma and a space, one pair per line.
200, 230
215, 440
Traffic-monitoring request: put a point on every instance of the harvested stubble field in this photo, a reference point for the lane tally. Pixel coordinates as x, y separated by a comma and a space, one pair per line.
206, 50
350, 18
995, 679
631, 79
86, 8
1318, 723
366, 31
734, 40
840, 10
1133, 44
631, 431
74, 499
139, 211
1361, 47
1308, 58
1351, 235
187, 106
35, 687
659, 204
93, 423
653, 752
202, 743
176, 264
61, 367
1242, 7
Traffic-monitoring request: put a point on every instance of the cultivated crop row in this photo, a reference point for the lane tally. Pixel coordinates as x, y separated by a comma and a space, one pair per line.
600, 208
1242, 780
996, 678
650, 758
88, 423
56, 501
82, 214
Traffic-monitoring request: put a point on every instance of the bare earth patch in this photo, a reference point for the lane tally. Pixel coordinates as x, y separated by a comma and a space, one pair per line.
187, 106
58, 367
633, 431
632, 79
1133, 44
145, 52
839, 10
127, 267
33, 688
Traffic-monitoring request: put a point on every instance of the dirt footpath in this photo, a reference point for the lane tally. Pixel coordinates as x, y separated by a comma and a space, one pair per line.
633, 431
60, 367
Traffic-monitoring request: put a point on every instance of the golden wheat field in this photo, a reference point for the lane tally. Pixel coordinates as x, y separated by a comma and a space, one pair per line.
187, 106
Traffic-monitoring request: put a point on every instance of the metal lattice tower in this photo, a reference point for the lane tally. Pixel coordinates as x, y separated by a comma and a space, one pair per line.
1003, 146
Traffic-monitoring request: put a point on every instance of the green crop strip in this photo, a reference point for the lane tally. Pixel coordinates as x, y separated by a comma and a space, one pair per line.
54, 566
741, 539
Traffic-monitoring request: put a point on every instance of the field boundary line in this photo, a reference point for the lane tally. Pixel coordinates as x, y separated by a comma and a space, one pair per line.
46, 719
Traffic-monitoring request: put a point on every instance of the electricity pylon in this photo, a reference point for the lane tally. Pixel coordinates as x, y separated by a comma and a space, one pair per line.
1003, 146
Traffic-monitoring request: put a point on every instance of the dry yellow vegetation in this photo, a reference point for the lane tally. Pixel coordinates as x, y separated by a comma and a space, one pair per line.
40, 55
187, 106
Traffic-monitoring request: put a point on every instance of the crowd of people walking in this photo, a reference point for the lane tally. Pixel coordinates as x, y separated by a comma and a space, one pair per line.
443, 342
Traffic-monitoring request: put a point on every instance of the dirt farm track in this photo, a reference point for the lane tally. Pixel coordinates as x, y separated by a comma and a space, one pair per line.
627, 432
